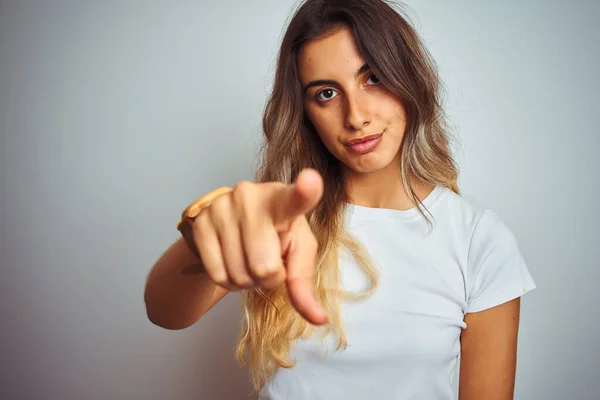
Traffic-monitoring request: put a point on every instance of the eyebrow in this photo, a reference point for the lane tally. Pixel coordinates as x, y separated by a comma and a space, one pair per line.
323, 82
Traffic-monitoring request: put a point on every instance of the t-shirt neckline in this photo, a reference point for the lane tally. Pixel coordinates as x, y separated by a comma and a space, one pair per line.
354, 211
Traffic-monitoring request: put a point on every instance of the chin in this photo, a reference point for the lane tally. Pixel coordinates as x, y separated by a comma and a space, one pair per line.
366, 166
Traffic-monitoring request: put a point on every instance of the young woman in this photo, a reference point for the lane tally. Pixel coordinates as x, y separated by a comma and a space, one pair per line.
363, 272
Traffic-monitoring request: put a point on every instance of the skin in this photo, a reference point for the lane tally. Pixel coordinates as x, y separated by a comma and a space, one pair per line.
345, 101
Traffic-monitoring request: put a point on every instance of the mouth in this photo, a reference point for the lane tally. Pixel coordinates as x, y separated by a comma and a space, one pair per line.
364, 144
363, 139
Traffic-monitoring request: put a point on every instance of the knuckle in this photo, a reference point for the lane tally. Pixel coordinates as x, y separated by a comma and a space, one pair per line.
242, 189
243, 198
220, 210
266, 270
220, 278
201, 221
219, 204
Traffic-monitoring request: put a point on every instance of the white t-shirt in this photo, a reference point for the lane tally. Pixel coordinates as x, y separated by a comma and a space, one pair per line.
404, 340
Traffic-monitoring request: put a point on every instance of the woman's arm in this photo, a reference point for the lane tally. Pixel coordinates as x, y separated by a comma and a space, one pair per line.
178, 290
489, 353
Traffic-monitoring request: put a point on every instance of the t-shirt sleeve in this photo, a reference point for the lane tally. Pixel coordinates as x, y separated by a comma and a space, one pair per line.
496, 270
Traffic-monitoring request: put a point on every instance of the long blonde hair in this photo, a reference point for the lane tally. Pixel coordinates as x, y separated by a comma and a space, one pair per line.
393, 50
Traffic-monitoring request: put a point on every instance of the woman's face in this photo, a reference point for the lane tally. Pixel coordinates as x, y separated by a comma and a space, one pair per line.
347, 104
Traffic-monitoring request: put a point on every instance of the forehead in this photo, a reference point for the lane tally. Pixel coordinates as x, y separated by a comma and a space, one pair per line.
334, 56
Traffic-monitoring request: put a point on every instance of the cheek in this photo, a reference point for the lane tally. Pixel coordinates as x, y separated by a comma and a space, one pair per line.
394, 113
400, 113
392, 109
324, 122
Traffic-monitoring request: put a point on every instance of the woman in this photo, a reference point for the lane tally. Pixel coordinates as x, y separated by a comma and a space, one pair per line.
362, 270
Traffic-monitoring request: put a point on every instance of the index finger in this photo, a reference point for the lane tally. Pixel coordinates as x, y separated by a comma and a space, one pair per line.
301, 262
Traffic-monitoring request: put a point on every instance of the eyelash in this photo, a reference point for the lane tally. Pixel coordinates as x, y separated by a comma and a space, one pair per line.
326, 100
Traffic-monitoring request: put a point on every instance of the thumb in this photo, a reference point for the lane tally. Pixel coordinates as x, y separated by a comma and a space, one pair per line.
298, 198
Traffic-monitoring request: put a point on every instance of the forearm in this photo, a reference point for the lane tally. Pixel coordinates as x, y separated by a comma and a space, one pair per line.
178, 292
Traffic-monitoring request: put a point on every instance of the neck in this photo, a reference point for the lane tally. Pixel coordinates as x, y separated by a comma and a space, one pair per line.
382, 188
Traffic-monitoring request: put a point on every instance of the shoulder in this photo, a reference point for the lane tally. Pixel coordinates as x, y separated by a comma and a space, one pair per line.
496, 270
458, 213
477, 227
490, 226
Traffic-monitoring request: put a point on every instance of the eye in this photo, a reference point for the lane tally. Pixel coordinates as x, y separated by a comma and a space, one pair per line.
374, 80
326, 94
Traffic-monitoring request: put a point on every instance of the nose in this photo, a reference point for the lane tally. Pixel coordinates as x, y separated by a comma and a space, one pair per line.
358, 114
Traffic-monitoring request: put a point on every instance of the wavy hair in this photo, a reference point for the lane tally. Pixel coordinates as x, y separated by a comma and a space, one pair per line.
392, 48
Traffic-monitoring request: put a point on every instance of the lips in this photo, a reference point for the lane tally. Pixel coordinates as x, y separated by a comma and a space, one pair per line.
363, 139
365, 144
